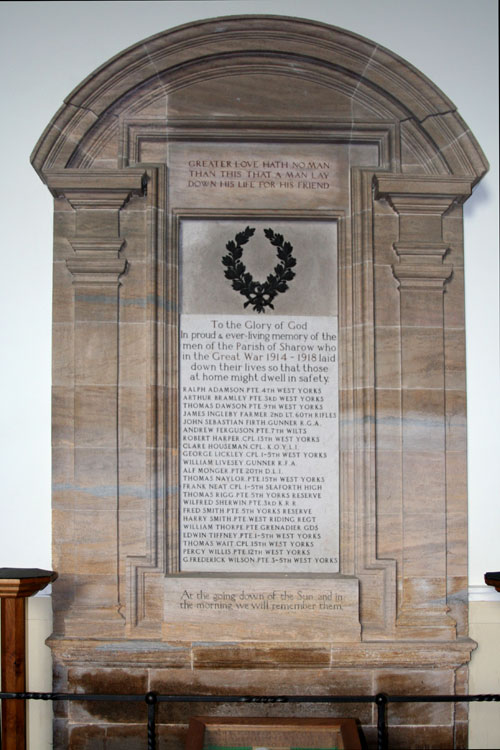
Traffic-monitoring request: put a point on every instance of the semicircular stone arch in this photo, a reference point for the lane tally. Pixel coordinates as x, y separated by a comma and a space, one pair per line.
336, 57
376, 164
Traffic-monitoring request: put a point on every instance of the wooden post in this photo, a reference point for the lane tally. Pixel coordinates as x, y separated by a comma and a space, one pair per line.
493, 579
16, 585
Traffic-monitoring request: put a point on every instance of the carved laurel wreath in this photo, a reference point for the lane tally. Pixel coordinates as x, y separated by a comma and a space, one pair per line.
259, 294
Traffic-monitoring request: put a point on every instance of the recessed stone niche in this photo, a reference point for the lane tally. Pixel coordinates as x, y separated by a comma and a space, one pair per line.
259, 379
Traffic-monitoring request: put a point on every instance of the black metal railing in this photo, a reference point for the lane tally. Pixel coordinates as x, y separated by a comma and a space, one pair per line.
151, 699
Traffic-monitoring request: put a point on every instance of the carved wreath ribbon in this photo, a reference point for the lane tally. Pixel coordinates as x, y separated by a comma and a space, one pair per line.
259, 294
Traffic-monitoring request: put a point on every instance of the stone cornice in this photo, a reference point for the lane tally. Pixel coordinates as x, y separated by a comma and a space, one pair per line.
421, 249
404, 186
260, 655
420, 203
87, 247
97, 261
422, 276
104, 189
421, 265
96, 270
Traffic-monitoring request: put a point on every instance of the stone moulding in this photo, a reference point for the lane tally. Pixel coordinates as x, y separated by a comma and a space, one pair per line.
404, 164
367, 655
332, 52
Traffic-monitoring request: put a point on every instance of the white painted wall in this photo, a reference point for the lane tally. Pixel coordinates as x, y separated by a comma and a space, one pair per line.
48, 48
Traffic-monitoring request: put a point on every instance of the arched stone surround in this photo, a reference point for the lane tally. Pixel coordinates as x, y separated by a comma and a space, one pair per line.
405, 162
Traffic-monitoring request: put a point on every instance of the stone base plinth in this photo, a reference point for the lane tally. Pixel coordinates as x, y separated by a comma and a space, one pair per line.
267, 669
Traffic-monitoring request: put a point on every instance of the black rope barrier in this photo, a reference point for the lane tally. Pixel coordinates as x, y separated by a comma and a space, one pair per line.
381, 701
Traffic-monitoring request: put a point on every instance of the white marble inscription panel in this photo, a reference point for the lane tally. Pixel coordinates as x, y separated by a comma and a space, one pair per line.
259, 443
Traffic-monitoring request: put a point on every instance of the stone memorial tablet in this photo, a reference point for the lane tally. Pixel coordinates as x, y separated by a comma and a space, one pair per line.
259, 374
258, 400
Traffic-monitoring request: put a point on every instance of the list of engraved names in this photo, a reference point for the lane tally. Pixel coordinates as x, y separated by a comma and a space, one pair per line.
259, 443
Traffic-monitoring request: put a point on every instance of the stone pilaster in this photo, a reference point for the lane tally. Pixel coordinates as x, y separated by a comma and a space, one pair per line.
96, 263
423, 271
